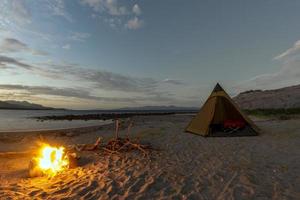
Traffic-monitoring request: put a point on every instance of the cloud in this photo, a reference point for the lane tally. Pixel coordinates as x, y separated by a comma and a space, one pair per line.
4, 61
67, 46
134, 23
173, 81
14, 13
126, 89
45, 90
12, 45
114, 81
57, 8
294, 50
111, 7
79, 36
19, 12
52, 91
288, 74
95, 78
4, 67
136, 9
114, 9
103, 79
113, 22
96, 5
114, 12
15, 17
30, 91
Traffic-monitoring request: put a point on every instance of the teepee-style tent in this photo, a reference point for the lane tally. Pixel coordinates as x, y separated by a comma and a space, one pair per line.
219, 113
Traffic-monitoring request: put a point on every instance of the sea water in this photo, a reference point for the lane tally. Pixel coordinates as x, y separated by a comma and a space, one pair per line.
22, 120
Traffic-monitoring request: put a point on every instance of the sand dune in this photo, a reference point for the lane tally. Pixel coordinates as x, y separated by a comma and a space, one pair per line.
186, 166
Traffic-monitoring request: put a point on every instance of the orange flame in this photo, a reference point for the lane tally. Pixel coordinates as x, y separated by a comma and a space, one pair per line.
52, 160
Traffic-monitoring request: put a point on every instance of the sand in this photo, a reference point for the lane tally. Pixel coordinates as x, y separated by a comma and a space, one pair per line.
185, 166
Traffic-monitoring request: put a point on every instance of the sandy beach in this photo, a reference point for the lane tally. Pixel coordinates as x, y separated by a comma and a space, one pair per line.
182, 166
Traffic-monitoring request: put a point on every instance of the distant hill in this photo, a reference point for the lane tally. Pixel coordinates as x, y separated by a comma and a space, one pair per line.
287, 97
158, 108
22, 105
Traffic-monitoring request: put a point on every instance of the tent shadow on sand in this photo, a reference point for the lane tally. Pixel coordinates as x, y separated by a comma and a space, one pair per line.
220, 116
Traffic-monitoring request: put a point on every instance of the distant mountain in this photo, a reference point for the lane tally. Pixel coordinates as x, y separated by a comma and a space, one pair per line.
22, 105
287, 97
158, 108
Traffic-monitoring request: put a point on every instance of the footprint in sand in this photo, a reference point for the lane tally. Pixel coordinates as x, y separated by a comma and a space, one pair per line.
91, 186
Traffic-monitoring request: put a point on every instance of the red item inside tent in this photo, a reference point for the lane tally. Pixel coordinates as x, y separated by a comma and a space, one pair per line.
229, 123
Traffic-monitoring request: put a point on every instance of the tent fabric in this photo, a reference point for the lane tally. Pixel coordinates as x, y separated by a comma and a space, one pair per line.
217, 108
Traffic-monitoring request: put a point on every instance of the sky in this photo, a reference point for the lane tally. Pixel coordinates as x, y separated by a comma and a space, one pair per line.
104, 54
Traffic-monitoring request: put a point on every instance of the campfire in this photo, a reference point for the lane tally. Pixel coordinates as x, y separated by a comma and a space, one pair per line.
49, 161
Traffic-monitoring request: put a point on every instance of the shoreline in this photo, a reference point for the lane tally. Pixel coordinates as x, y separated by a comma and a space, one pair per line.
55, 129
108, 116
102, 122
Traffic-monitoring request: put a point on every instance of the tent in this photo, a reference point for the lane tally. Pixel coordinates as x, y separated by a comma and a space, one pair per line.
220, 112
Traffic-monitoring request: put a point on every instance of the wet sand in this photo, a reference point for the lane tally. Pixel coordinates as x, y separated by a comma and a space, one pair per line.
186, 166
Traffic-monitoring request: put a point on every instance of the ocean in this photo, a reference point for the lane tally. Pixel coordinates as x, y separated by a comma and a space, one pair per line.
21, 120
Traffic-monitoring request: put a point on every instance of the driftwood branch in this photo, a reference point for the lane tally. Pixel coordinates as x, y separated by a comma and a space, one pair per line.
88, 147
117, 144
117, 124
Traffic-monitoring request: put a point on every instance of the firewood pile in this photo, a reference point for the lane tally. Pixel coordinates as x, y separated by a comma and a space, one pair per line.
116, 145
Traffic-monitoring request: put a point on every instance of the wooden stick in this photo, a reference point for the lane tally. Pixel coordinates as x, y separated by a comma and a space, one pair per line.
89, 147
117, 129
128, 129
221, 195
110, 151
